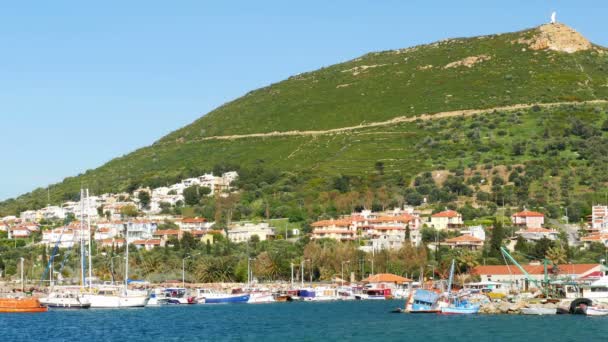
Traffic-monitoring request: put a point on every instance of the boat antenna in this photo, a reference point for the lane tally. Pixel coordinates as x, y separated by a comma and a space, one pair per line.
89, 239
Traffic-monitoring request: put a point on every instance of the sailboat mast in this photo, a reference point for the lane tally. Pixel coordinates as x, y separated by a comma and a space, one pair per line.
127, 257
82, 258
89, 232
451, 278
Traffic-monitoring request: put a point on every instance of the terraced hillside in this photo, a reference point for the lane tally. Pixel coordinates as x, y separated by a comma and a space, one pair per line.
404, 109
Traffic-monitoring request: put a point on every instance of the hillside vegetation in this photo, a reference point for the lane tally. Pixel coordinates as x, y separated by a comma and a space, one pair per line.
566, 141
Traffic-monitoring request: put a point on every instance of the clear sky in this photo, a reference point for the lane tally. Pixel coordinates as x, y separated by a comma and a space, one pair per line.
82, 82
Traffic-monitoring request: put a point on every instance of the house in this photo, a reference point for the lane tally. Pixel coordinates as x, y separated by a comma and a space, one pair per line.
448, 219
147, 244
242, 232
165, 234
112, 242
30, 216
20, 233
514, 279
535, 234
197, 223
599, 218
342, 230
528, 219
595, 238
63, 237
207, 235
465, 242
140, 229
52, 213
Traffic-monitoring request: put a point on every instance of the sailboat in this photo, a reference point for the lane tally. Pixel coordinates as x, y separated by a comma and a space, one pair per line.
457, 304
108, 296
66, 298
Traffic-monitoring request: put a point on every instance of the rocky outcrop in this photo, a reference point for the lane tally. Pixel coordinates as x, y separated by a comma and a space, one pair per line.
468, 61
556, 37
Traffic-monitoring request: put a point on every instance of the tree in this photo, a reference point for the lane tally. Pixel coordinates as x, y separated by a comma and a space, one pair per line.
144, 199
129, 211
557, 255
498, 234
192, 195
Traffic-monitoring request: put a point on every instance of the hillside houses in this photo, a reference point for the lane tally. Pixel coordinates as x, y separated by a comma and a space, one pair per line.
448, 219
243, 231
528, 219
535, 234
599, 219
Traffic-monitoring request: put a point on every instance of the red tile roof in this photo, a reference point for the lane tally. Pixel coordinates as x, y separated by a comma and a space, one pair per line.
527, 213
532, 269
537, 230
194, 220
161, 232
329, 223
386, 278
155, 242
464, 238
447, 213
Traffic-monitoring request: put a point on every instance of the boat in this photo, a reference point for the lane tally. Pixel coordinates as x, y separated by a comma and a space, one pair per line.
458, 304
595, 310
258, 297
21, 305
109, 296
538, 311
65, 300
375, 294
423, 301
208, 296
170, 296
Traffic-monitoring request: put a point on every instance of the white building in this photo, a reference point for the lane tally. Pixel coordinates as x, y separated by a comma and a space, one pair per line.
599, 218
448, 219
242, 232
535, 234
29, 216
528, 219
52, 213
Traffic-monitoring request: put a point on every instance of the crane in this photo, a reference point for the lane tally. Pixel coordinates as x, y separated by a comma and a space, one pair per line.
540, 284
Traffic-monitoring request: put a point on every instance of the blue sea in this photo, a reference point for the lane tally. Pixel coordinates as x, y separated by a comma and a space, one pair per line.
298, 321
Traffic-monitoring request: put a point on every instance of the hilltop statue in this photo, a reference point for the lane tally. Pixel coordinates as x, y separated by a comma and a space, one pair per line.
553, 17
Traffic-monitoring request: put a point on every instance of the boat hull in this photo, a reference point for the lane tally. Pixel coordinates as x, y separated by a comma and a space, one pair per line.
592, 311
459, 311
538, 311
230, 299
21, 305
101, 301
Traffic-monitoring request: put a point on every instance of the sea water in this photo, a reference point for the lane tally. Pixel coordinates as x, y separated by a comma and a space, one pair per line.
298, 321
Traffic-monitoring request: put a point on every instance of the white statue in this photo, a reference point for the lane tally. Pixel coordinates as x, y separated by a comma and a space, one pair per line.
553, 18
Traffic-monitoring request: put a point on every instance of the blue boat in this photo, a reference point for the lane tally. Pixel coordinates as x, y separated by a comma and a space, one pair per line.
457, 305
206, 296
423, 301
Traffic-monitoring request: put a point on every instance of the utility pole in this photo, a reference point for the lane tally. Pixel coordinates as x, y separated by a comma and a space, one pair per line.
22, 283
292, 275
302, 269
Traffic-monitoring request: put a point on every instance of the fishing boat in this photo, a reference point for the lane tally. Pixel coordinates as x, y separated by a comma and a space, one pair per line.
109, 296
538, 311
208, 296
458, 305
423, 301
65, 300
21, 305
375, 294
258, 297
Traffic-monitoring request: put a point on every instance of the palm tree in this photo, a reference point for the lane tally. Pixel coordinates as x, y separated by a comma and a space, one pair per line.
557, 255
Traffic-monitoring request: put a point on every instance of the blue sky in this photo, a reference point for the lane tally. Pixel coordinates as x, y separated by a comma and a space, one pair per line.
82, 82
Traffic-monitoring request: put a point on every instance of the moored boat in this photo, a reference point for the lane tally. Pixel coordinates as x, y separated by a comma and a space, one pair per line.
595, 311
208, 296
538, 311
258, 297
170, 296
21, 305
115, 297
65, 300
423, 301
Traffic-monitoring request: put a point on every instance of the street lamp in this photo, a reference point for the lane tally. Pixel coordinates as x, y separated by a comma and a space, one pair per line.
112, 266
342, 273
372, 261
433, 272
184, 268
310, 260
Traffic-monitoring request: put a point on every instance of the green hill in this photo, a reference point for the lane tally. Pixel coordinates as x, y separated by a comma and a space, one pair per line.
537, 87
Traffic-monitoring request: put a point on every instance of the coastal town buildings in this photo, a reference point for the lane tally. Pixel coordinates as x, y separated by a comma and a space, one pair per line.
528, 219
448, 219
599, 219
535, 234
244, 231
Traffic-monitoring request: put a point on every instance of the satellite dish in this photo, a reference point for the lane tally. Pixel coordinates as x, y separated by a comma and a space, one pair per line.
553, 17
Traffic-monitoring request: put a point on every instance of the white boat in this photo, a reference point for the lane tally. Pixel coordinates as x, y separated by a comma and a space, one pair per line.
170, 296
595, 311
208, 296
115, 297
538, 311
260, 297
65, 300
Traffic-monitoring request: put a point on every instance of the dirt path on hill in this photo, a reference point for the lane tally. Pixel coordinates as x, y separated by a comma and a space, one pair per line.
398, 120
